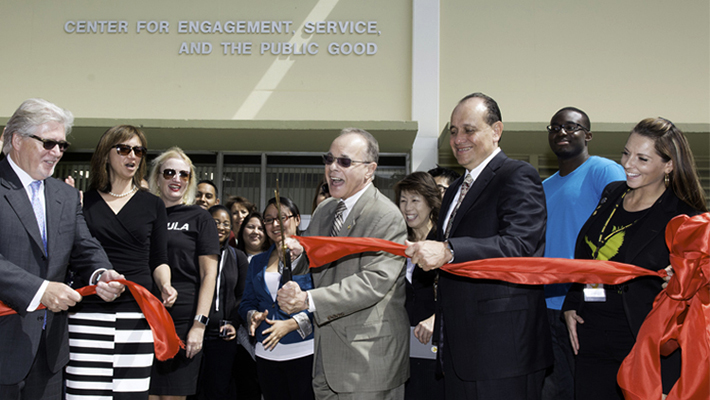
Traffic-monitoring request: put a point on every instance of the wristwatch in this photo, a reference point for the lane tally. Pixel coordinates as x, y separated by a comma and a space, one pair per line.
451, 249
202, 319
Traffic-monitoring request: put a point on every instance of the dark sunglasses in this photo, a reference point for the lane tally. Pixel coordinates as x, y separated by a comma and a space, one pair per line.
124, 150
169, 173
49, 143
344, 162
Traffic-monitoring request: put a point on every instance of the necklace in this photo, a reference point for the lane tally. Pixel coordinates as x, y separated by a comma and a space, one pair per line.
133, 189
603, 239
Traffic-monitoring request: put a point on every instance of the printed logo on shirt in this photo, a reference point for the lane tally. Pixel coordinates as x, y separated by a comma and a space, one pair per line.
173, 226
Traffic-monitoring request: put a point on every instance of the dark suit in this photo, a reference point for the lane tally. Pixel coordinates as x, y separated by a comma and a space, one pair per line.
494, 329
24, 266
646, 248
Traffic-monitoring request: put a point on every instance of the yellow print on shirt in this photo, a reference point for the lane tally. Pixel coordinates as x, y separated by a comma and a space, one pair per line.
610, 247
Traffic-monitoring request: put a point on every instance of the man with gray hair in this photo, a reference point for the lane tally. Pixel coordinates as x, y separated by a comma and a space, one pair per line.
362, 328
43, 233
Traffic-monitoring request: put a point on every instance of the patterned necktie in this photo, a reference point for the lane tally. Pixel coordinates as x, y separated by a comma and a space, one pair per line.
39, 212
464, 189
338, 221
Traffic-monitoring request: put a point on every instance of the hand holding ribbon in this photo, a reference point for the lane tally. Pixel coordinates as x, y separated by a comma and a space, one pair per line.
165, 339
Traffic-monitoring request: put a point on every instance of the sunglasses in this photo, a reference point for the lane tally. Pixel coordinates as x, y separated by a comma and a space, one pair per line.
169, 173
344, 162
49, 143
124, 150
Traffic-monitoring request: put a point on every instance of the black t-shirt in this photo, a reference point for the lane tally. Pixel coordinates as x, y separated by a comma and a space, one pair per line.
191, 233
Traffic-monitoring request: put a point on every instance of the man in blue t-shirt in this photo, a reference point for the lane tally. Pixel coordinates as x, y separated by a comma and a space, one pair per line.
571, 194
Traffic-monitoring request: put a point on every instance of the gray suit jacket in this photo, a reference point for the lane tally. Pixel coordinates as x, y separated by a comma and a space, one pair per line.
362, 329
24, 266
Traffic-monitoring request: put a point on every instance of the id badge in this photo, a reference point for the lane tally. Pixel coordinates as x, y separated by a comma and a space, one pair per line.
594, 293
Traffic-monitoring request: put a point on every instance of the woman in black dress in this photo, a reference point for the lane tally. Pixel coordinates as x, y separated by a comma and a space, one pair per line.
193, 248
130, 223
629, 226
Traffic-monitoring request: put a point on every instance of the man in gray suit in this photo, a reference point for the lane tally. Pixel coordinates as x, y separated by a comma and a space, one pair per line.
43, 233
362, 330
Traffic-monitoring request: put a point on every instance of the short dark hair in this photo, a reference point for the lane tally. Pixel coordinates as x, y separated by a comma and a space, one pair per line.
422, 183
584, 115
493, 111
447, 173
218, 207
209, 182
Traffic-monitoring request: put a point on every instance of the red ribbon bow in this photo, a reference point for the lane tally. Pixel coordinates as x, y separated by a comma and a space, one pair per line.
165, 339
680, 318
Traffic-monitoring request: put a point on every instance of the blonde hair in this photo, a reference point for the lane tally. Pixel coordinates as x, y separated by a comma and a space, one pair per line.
174, 152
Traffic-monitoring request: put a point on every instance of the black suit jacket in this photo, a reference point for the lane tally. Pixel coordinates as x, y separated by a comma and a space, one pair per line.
24, 266
421, 297
495, 329
647, 249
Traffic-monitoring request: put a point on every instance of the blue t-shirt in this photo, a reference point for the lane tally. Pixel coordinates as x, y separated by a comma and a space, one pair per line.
571, 199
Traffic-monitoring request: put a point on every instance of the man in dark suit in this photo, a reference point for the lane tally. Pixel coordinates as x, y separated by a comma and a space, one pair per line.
362, 329
44, 233
494, 335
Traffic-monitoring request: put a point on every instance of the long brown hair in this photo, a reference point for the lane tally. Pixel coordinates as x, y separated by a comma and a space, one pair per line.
672, 145
100, 178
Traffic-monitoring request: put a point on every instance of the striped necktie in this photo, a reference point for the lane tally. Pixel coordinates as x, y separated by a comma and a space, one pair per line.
338, 220
467, 181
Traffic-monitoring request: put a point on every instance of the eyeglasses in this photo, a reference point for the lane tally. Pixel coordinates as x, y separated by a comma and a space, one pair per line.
169, 173
344, 162
49, 143
568, 127
284, 218
224, 224
124, 150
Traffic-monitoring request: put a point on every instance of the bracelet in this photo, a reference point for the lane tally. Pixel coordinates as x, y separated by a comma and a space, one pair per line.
98, 276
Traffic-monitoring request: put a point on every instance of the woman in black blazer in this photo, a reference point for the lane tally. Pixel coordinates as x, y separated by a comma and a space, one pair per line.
629, 226
419, 201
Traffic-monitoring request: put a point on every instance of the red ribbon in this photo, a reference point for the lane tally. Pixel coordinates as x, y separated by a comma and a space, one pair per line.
165, 339
322, 250
680, 315
680, 318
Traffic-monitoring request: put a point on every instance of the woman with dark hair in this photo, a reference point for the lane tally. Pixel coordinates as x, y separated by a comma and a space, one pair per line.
629, 226
252, 236
131, 225
220, 349
419, 201
322, 193
240, 208
193, 248
284, 349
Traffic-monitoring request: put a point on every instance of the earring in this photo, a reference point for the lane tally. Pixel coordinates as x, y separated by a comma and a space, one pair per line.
667, 180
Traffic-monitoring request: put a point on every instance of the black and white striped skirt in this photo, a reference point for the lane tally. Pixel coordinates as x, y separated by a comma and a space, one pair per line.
111, 353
